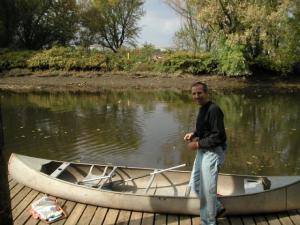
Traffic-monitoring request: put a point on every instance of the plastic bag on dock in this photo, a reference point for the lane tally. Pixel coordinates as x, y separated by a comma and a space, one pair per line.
47, 209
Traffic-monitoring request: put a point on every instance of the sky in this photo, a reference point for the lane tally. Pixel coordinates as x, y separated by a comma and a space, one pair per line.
159, 24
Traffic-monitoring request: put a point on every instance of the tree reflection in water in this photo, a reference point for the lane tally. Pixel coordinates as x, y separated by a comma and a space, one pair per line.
146, 128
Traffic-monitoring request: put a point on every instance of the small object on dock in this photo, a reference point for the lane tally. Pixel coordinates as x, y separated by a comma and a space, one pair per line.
47, 209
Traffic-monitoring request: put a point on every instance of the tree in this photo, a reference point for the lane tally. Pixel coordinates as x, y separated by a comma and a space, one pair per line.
112, 23
192, 34
266, 32
42, 23
7, 22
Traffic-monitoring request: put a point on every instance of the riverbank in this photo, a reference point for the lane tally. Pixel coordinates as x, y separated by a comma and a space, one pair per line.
60, 81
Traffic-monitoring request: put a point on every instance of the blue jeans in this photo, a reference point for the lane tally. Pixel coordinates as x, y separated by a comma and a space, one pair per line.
204, 182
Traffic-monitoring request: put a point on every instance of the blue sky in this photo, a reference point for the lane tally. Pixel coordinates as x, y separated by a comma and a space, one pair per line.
159, 24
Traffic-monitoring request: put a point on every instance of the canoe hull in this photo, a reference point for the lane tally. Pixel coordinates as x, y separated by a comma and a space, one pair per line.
280, 199
86, 195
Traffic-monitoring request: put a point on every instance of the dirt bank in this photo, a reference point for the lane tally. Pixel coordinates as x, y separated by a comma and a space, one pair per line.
97, 82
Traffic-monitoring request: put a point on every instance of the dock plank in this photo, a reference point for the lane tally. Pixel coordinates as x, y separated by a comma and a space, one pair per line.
285, 219
31, 221
16, 189
12, 184
9, 178
260, 220
223, 221
99, 216
23, 204
123, 218
68, 208
196, 220
272, 219
87, 215
81, 214
148, 218
160, 219
295, 217
172, 220
111, 217
136, 218
185, 220
75, 215
235, 220
247, 220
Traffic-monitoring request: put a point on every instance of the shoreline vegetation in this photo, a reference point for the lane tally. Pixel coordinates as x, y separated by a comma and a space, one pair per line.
79, 69
143, 59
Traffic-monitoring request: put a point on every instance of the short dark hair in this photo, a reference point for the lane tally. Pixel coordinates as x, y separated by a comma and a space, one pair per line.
204, 85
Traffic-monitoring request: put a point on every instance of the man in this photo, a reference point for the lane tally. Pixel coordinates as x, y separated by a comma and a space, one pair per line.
209, 140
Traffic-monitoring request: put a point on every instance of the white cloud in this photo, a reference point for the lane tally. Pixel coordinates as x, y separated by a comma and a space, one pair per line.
159, 24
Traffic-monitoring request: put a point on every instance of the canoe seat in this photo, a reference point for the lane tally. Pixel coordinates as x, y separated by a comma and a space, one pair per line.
60, 169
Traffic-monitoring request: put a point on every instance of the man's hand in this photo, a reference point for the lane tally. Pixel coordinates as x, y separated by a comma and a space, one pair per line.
194, 145
188, 136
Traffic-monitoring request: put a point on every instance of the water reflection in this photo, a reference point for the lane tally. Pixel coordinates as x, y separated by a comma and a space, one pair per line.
146, 129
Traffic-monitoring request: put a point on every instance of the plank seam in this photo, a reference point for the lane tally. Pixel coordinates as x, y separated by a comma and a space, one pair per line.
105, 216
69, 213
117, 217
16, 192
85, 206
129, 218
93, 215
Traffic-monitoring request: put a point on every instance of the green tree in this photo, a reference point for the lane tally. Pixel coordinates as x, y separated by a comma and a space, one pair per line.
42, 23
112, 23
7, 22
259, 32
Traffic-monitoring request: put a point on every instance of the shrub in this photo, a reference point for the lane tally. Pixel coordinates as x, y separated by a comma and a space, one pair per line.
14, 59
187, 63
60, 58
232, 61
280, 65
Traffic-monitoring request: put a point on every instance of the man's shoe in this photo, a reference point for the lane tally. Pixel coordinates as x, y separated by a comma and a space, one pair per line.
221, 212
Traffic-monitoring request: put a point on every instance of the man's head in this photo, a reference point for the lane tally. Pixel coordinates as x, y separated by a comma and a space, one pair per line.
200, 93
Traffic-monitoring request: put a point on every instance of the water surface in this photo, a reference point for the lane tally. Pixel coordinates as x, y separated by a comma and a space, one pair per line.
146, 129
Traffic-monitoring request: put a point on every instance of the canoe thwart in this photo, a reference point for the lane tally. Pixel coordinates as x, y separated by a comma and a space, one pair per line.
60, 169
151, 180
108, 177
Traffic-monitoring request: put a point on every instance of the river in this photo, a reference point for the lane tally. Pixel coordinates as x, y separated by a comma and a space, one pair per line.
137, 128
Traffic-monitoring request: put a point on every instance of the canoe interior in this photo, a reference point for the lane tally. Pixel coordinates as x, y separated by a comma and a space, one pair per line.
170, 183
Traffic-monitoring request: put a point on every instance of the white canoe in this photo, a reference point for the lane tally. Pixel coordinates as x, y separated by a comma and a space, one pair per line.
167, 192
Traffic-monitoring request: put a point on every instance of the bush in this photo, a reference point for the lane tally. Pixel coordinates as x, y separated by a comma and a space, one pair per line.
14, 59
232, 61
60, 58
279, 65
117, 61
187, 63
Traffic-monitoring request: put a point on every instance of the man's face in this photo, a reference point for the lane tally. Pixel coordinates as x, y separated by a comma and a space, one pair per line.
199, 95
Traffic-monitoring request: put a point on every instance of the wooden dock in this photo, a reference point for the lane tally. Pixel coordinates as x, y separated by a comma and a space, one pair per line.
22, 197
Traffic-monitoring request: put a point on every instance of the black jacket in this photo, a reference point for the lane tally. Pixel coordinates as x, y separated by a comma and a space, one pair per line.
210, 126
